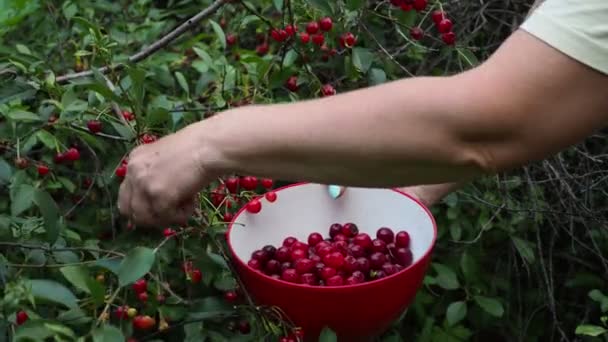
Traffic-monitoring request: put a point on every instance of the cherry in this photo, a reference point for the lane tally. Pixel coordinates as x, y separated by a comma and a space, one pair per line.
289, 241
347, 40
449, 38
244, 327
286, 265
128, 115
270, 250
260, 255
304, 265
314, 239
416, 33
350, 264
350, 229
315, 258
363, 264
72, 154
406, 7
59, 158
335, 260
397, 2
376, 260
143, 322
312, 27
308, 279
271, 196
255, 206
437, 16
340, 237
231, 39
300, 245
290, 30
304, 37
121, 171
276, 35
341, 246
292, 84
336, 280
143, 297
403, 256
356, 251
249, 183
255, 264
385, 234
290, 275
43, 170
272, 266
326, 24
420, 5
139, 286
327, 272
168, 232
379, 246
121, 312
282, 254
363, 240
21, 317
318, 39
230, 296
196, 276
297, 254
267, 183
402, 239
322, 244
262, 49
232, 184
328, 90
335, 229
228, 217
94, 126
323, 251
389, 269
21, 163
445, 26
160, 298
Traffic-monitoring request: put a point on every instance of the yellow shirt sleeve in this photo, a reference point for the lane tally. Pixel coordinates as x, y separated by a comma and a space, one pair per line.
578, 28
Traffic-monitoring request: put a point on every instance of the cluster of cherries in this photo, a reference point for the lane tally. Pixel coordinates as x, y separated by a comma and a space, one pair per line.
347, 257
443, 24
227, 194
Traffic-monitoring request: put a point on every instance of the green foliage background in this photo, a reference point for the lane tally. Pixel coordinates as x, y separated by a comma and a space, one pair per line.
520, 257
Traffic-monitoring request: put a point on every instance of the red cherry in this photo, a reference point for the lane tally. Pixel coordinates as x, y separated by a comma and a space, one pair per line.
389, 269
292, 83
290, 275
255, 264
304, 37
270, 250
262, 49
244, 327
350, 229
397, 2
196, 276
445, 26
289, 241
312, 27
232, 184
94, 126
148, 138
437, 16
128, 115
168, 232
308, 279
228, 217
336, 280
272, 267
255, 206
363, 240
356, 251
231, 39
121, 171
406, 7
267, 183
260, 255
334, 260
340, 237
297, 254
334, 230
249, 183
404, 256
72, 154
142, 296
300, 245
230, 296
385, 234
328, 90
121, 313
379, 246
326, 24
141, 285
327, 272
21, 317
347, 40
43, 170
420, 5
363, 264
402, 239
143, 322
282, 254
304, 265
325, 251
59, 158
318, 39
449, 38
350, 264
416, 33
276, 35
376, 260
290, 30
314, 239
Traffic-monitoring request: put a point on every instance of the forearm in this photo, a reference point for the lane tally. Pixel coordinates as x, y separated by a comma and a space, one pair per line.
396, 134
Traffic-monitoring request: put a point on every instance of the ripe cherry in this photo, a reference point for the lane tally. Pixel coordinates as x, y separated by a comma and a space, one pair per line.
300, 245
402, 239
290, 275
292, 83
334, 230
128, 115
389, 269
308, 279
312, 27
304, 265
363, 264
267, 183
276, 35
327, 272
260, 255
231, 39
385, 234
376, 260
406, 7
420, 5
350, 264
290, 29
449, 38
347, 40
445, 26
21, 317
255, 264
356, 251
141, 285
232, 184
314, 239
297, 254
121, 171
363, 240
416, 33
270, 250
289, 241
143, 322
143, 297
168, 232
249, 183
262, 49
336, 280
318, 39
255, 206
379, 246
272, 266
43, 170
228, 217
350, 229
121, 312
94, 126
282, 254
21, 163
328, 90
325, 251
437, 16
148, 138
244, 327
326, 24
305, 37
72, 154
230, 296
403, 256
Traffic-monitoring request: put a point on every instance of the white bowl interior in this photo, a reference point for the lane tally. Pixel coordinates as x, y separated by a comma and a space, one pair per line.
303, 209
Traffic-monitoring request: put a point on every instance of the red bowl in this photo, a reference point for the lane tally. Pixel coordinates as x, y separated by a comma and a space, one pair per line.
354, 312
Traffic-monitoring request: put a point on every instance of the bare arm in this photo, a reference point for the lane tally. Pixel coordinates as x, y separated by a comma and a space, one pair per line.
525, 103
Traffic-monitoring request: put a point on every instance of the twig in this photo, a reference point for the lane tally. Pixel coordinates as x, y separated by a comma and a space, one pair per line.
157, 45
391, 57
59, 249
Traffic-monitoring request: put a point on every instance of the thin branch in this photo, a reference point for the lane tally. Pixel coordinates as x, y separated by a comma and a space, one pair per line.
156, 46
59, 249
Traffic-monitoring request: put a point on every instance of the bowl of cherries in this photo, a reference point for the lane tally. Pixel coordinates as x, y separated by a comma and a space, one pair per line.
352, 264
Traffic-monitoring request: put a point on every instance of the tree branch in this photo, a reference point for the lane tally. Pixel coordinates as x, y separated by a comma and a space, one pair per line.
159, 44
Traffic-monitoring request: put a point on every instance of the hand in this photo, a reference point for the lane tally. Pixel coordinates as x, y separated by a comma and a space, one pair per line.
163, 179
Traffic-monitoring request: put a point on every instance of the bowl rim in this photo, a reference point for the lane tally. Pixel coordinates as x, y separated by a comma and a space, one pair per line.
243, 263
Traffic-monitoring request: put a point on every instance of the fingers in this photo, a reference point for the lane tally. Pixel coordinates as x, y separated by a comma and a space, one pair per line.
335, 191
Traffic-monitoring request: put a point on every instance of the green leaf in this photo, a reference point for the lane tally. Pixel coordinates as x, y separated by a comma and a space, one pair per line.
22, 115
218, 259
50, 213
490, 305
5, 171
590, 330
376, 76
157, 116
456, 312
182, 82
469, 267
47, 139
446, 278
219, 32
524, 248
32, 330
107, 333
67, 184
290, 58
77, 275
23, 199
323, 5
467, 57
327, 335
209, 307
362, 59
354, 5
135, 265
110, 264
52, 291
